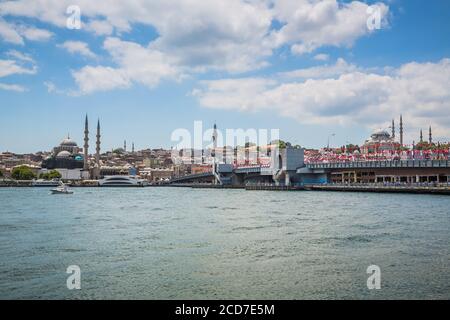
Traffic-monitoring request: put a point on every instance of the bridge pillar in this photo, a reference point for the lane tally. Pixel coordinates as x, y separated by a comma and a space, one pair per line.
287, 179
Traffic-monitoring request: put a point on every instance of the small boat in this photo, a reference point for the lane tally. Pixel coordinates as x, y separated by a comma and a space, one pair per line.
62, 189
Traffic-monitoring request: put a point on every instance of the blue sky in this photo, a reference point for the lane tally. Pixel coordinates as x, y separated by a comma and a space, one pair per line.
146, 68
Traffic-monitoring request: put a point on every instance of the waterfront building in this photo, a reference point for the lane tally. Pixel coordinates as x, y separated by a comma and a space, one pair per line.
157, 175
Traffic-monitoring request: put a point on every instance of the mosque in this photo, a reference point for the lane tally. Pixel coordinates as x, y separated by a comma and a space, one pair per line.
381, 140
72, 161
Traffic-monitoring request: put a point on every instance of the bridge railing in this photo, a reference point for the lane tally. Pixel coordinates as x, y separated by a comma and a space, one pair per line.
382, 164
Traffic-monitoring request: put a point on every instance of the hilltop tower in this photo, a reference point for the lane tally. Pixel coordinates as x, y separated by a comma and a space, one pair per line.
97, 150
86, 144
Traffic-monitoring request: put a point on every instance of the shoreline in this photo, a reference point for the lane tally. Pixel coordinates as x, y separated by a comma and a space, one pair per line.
334, 188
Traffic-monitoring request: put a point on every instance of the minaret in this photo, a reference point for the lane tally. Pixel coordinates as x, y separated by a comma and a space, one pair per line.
401, 130
97, 150
125, 145
224, 154
430, 136
393, 129
132, 147
213, 152
214, 138
86, 144
421, 135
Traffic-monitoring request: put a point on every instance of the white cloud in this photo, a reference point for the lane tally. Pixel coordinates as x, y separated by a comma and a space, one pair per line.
35, 34
310, 24
20, 56
10, 67
135, 64
23, 64
15, 33
325, 71
100, 27
246, 93
51, 87
78, 47
90, 79
417, 90
225, 35
9, 34
12, 87
321, 57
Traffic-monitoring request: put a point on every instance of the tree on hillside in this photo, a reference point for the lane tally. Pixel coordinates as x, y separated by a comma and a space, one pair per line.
22, 173
53, 174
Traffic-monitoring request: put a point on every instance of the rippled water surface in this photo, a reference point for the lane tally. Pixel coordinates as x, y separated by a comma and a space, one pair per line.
182, 243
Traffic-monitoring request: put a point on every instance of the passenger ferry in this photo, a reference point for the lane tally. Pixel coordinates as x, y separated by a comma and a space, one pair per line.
122, 181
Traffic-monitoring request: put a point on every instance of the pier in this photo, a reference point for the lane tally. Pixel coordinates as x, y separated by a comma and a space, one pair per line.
412, 189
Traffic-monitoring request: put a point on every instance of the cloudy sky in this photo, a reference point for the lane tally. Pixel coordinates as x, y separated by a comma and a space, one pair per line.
146, 67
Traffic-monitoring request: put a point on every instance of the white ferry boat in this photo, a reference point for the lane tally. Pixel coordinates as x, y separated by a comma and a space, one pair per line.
122, 181
45, 183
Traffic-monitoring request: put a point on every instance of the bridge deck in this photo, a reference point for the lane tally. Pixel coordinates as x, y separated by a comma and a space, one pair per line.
382, 164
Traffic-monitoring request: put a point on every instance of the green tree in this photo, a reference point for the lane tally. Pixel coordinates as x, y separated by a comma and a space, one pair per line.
22, 173
281, 143
53, 174
1, 173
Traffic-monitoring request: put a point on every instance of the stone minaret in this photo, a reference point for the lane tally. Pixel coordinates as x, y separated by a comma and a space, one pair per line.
421, 135
132, 147
393, 129
214, 138
97, 150
213, 152
125, 145
86, 144
401, 130
224, 154
430, 136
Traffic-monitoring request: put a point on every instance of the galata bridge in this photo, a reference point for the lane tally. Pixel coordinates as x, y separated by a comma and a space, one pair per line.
287, 168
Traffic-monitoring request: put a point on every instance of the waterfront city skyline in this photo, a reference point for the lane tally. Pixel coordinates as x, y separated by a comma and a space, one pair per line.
221, 156
347, 82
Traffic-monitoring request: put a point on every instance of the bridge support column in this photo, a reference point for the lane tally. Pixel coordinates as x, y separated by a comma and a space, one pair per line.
287, 179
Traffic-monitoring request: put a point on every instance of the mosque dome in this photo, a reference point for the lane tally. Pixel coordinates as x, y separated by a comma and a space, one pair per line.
63, 154
68, 142
380, 135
